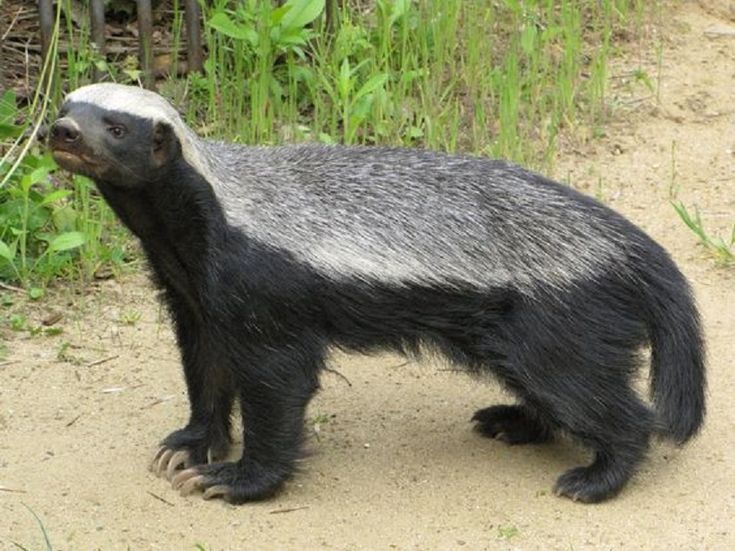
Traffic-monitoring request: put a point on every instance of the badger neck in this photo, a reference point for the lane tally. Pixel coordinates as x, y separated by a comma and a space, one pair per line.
179, 222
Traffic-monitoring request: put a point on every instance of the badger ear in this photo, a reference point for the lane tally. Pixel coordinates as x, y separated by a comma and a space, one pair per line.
164, 144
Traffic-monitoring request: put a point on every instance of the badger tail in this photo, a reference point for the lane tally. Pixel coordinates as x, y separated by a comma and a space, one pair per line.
677, 354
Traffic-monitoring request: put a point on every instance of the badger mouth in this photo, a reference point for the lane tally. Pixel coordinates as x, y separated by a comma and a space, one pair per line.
74, 162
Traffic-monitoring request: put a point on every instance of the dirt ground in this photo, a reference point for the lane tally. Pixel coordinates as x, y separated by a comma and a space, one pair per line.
395, 464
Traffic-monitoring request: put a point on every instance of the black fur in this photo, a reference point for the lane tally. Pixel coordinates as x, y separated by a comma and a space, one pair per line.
253, 323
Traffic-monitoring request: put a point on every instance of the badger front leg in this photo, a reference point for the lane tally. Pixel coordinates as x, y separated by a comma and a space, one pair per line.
206, 437
275, 385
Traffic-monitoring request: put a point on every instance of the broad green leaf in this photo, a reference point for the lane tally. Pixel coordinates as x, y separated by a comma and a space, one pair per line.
55, 196
344, 79
299, 52
26, 183
66, 241
375, 82
400, 7
221, 22
293, 37
47, 161
361, 109
36, 176
10, 131
278, 13
8, 108
528, 39
6, 252
301, 13
133, 74
65, 218
275, 34
35, 293
415, 132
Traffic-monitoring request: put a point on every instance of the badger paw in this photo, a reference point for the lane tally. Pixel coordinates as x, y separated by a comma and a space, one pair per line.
510, 424
186, 448
167, 461
587, 484
234, 482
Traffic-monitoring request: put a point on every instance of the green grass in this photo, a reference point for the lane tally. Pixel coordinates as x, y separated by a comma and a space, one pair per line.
722, 249
46, 541
501, 78
496, 78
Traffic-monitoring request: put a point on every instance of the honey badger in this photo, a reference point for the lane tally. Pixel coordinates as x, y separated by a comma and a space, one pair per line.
269, 256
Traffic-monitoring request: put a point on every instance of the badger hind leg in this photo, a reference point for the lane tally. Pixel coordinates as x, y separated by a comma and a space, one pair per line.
595, 404
512, 424
618, 432
573, 363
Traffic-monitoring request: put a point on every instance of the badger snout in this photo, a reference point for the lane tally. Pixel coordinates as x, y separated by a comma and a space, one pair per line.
68, 148
64, 131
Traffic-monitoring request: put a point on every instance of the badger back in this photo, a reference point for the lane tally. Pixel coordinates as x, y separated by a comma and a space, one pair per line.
407, 216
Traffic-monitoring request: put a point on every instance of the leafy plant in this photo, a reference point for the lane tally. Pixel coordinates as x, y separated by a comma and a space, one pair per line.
8, 112
130, 317
507, 532
722, 249
34, 234
42, 231
258, 35
18, 322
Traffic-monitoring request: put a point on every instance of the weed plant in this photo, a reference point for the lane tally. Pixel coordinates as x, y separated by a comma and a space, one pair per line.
501, 78
722, 249
495, 78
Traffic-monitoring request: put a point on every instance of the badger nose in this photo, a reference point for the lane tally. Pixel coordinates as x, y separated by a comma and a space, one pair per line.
65, 130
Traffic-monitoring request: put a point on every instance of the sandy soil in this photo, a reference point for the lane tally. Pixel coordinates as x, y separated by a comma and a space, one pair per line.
395, 463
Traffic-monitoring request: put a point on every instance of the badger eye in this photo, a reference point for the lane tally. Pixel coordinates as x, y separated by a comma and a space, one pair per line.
117, 131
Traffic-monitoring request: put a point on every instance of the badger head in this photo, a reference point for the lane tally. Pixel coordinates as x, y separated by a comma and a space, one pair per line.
120, 135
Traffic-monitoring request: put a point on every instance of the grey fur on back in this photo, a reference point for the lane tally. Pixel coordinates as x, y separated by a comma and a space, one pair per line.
411, 216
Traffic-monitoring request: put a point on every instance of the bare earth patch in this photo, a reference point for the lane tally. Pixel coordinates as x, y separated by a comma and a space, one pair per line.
395, 463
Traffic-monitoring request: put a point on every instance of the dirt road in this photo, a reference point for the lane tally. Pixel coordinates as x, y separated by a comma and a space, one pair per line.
395, 463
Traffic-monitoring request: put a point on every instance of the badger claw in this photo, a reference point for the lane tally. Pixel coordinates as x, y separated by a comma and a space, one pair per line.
220, 490
181, 478
191, 485
179, 459
160, 461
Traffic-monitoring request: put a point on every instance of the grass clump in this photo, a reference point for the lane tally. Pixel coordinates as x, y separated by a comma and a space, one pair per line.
495, 78
722, 249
